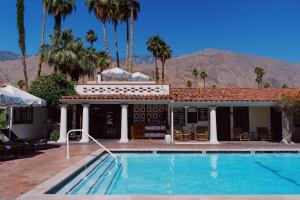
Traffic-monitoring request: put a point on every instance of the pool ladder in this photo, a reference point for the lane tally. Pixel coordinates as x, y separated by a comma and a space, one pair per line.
98, 143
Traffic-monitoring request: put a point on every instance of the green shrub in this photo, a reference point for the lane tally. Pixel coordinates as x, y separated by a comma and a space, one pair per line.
54, 135
3, 116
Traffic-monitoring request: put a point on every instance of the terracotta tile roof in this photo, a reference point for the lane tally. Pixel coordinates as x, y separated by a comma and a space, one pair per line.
228, 94
119, 96
201, 95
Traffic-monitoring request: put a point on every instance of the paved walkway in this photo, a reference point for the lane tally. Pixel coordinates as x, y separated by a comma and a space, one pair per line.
20, 175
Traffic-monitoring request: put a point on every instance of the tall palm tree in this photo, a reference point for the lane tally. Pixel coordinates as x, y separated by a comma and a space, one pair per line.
124, 15
195, 73
164, 54
101, 11
21, 30
43, 37
60, 9
114, 16
260, 72
203, 75
91, 37
189, 84
154, 46
134, 10
66, 54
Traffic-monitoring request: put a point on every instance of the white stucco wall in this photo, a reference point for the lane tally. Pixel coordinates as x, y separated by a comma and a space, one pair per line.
36, 129
259, 117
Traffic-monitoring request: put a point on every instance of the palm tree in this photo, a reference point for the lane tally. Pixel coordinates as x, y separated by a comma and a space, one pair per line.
21, 83
21, 30
267, 85
102, 61
189, 83
66, 54
134, 10
91, 37
260, 72
43, 37
101, 11
124, 14
114, 17
284, 86
154, 46
203, 75
60, 9
195, 73
164, 54
89, 63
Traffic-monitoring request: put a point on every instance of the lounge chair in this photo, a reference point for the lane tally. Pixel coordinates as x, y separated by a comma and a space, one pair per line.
263, 133
240, 135
201, 133
9, 148
181, 135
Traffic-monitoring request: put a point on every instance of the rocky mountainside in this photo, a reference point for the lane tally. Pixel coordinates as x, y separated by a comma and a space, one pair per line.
224, 68
8, 55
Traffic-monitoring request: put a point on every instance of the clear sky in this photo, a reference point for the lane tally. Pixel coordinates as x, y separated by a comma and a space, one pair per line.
261, 27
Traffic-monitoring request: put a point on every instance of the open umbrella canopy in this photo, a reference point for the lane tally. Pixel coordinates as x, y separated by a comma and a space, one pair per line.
138, 76
116, 73
12, 96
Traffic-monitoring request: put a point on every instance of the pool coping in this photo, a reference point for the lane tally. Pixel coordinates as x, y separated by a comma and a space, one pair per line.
39, 192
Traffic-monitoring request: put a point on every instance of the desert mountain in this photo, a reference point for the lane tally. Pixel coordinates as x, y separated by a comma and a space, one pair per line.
224, 68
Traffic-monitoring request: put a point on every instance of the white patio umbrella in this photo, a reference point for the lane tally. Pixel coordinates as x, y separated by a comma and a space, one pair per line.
138, 76
116, 73
11, 96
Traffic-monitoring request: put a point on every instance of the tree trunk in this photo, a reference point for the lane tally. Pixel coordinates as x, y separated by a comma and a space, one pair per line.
204, 82
25, 71
106, 43
156, 71
43, 37
116, 44
127, 44
57, 24
163, 71
131, 37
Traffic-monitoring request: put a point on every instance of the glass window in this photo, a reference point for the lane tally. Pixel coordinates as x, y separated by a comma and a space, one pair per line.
202, 114
192, 115
23, 115
297, 118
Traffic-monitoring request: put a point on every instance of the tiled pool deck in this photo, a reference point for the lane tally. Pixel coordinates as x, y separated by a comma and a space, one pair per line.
20, 175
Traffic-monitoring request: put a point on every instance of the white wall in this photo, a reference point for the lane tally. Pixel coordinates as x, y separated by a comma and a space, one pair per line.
259, 117
36, 129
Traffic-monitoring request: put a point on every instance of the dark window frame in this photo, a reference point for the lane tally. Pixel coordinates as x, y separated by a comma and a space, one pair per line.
205, 118
192, 117
23, 115
297, 118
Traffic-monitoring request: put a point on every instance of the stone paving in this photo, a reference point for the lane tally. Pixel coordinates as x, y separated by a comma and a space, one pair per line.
20, 175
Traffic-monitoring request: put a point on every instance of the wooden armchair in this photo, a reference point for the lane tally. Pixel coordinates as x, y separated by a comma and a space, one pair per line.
201, 133
240, 135
263, 133
181, 135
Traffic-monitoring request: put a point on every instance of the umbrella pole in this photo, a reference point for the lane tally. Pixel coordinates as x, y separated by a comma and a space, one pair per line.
10, 122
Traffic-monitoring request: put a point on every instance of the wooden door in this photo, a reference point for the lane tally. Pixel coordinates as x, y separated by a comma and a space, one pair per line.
241, 118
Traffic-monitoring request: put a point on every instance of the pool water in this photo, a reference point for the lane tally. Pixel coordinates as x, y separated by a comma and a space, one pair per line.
189, 174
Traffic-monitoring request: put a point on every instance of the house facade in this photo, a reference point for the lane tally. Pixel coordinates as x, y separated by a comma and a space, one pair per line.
145, 110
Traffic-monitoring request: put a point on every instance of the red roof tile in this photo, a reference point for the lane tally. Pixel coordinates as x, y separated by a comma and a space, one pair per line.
202, 95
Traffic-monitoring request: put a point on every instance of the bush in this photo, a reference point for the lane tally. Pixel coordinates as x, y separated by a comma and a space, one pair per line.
54, 135
3, 117
52, 87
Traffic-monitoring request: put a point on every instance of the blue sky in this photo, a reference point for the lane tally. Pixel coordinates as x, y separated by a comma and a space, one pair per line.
260, 27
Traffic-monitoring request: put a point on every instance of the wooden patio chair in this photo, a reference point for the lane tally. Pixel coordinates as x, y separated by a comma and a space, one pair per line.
181, 135
201, 133
240, 135
263, 133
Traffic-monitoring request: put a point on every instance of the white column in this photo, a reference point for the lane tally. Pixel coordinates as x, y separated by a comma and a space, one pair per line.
85, 123
213, 126
63, 124
285, 126
172, 124
124, 124
231, 123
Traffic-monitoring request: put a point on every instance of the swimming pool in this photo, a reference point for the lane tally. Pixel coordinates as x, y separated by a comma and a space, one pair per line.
188, 174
